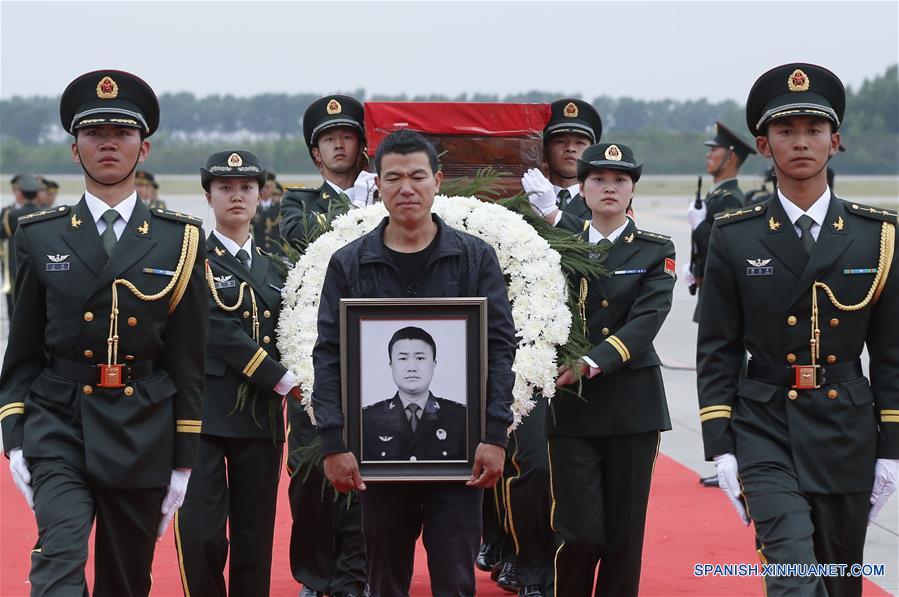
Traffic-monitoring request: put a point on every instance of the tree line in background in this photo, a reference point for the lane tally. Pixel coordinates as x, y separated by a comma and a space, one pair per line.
666, 134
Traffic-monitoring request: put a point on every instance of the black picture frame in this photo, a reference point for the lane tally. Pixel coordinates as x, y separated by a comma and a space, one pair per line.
460, 326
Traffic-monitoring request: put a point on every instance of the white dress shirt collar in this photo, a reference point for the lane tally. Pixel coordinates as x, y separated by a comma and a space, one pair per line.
98, 207
233, 247
817, 212
596, 235
573, 190
336, 188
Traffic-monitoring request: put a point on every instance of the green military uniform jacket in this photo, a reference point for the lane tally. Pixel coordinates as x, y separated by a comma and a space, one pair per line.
758, 298
625, 311
305, 213
50, 404
724, 197
441, 433
234, 356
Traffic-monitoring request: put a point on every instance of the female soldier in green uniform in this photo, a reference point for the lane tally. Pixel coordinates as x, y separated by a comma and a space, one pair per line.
603, 445
237, 470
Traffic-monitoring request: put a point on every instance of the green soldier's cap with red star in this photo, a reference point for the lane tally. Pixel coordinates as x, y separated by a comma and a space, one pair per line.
572, 115
613, 156
232, 163
726, 138
109, 97
795, 89
331, 111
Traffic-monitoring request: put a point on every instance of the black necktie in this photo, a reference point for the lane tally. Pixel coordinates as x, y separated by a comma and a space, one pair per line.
412, 411
805, 225
603, 242
244, 258
564, 197
108, 237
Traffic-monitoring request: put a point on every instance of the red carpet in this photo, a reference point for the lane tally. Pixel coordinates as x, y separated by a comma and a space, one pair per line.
688, 524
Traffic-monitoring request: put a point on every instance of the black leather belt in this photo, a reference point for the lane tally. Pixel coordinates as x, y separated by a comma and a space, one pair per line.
787, 375
90, 372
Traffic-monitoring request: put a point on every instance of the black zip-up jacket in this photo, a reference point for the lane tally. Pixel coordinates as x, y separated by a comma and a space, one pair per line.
460, 265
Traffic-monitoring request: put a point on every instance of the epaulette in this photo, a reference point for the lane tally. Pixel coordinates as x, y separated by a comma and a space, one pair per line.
295, 187
177, 216
261, 252
737, 215
884, 215
652, 236
44, 214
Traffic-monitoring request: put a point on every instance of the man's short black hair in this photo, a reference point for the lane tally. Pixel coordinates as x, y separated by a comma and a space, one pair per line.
411, 333
405, 142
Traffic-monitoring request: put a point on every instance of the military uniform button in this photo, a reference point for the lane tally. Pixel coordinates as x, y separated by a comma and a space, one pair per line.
605, 303
831, 358
266, 313
834, 322
791, 358
792, 394
87, 390
246, 314
444, 452
129, 357
791, 320
832, 394
132, 321
266, 339
88, 354
128, 390
88, 316
605, 331
413, 458
383, 454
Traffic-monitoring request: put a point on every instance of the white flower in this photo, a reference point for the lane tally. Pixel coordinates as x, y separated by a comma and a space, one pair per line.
537, 291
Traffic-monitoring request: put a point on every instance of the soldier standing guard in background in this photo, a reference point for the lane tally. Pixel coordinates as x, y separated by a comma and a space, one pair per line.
723, 160
803, 283
102, 382
28, 189
235, 480
327, 550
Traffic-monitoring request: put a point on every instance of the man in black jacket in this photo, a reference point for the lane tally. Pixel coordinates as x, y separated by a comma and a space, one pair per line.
413, 253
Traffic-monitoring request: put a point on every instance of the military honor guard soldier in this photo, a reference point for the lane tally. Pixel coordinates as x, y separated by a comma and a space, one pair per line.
235, 480
335, 135
602, 448
803, 284
727, 152
102, 381
573, 126
148, 189
327, 551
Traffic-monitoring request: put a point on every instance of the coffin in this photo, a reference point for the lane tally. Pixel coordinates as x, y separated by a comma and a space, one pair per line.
469, 136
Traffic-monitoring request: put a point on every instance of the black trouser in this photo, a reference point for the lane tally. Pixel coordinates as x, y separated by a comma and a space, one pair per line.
65, 505
528, 499
793, 527
600, 489
327, 550
447, 515
234, 483
493, 514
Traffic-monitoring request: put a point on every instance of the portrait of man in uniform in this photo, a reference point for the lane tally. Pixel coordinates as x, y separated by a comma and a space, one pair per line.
414, 424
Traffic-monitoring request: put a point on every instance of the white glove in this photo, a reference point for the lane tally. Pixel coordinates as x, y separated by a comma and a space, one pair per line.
886, 472
363, 191
696, 216
18, 467
726, 466
687, 275
174, 497
539, 191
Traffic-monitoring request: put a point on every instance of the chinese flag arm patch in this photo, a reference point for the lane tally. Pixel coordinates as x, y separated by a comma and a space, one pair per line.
670, 267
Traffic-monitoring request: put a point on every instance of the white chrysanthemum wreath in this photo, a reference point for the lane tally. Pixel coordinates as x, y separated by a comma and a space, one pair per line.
537, 291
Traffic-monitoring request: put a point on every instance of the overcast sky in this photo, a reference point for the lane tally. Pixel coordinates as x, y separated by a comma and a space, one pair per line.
648, 50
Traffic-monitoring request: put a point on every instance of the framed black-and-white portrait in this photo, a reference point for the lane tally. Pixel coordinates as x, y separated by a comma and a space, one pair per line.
414, 379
